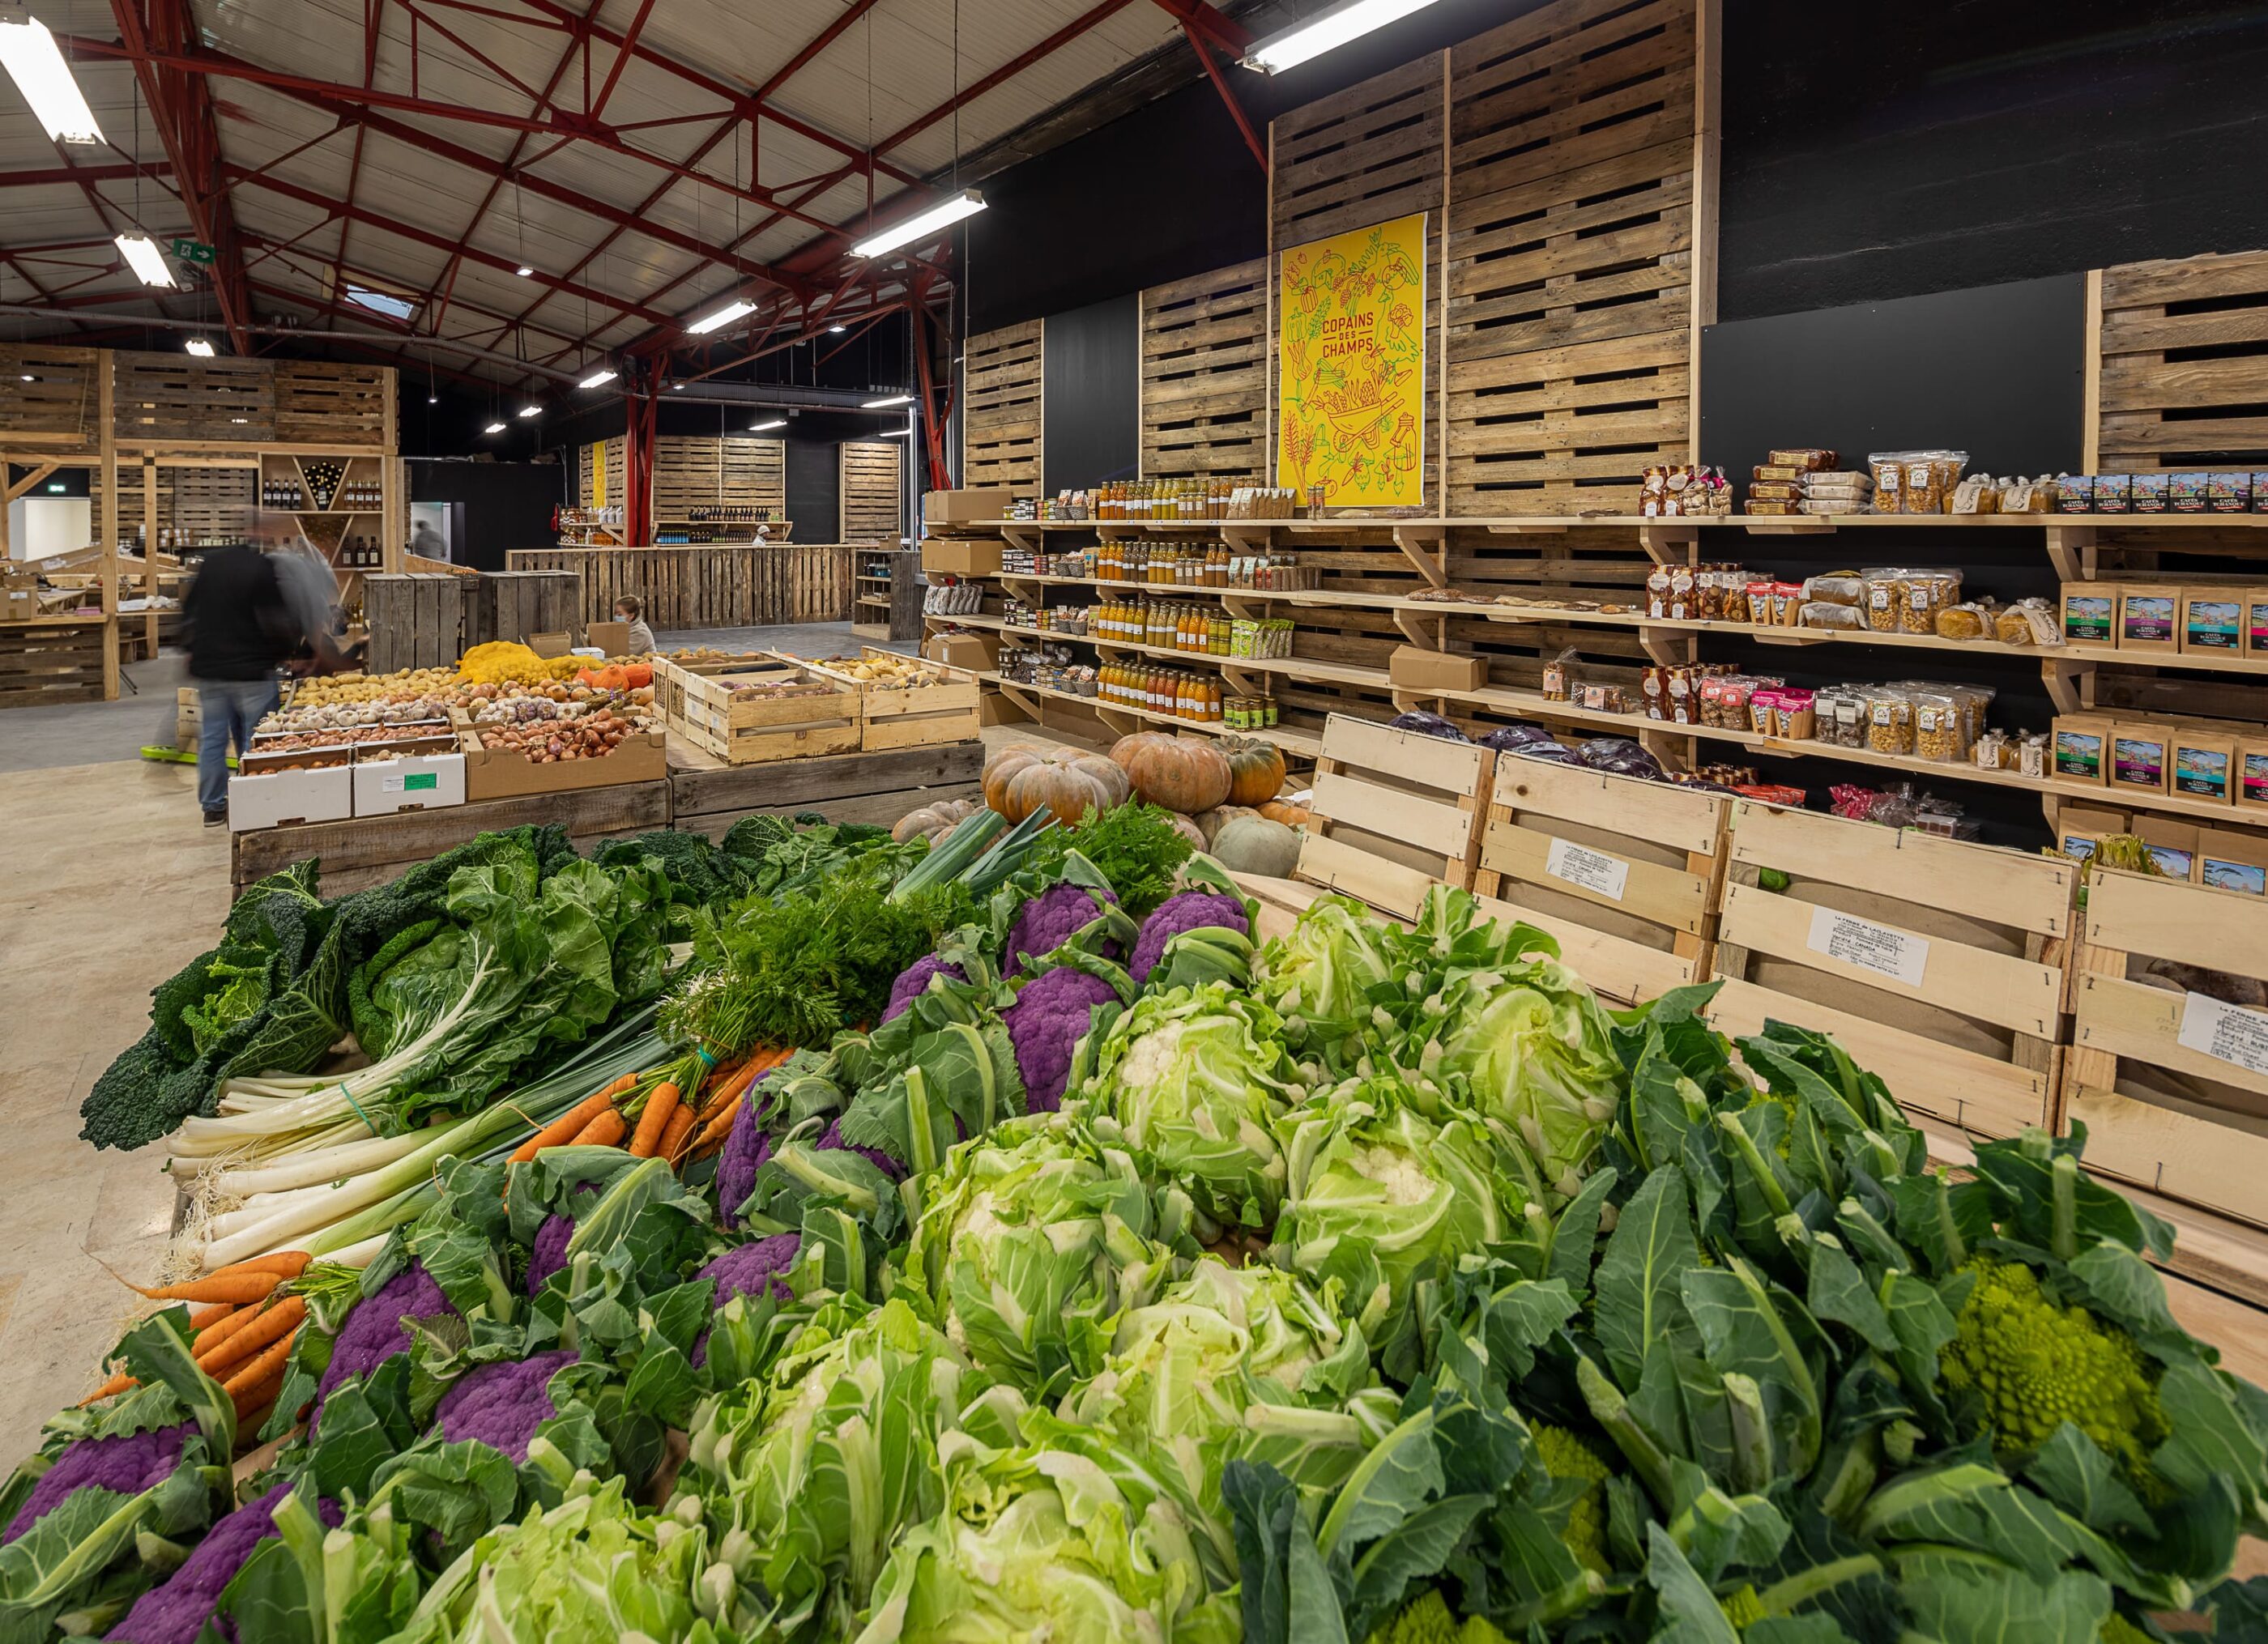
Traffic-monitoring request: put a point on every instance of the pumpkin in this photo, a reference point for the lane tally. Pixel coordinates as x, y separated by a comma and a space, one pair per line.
933, 821
1125, 748
1187, 829
1285, 811
1185, 776
1255, 769
1069, 781
1255, 845
638, 675
1211, 822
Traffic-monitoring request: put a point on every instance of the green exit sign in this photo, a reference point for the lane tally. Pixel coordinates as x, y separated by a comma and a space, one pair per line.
193, 250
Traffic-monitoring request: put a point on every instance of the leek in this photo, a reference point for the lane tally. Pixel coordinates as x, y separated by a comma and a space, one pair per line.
951, 856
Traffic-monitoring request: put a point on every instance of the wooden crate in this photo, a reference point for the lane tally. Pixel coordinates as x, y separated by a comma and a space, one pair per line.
319, 403
708, 795
414, 621
47, 660
2162, 1110
1205, 375
914, 716
720, 586
700, 709
59, 406
513, 605
1938, 964
1394, 811
1570, 256
868, 485
159, 397
1626, 874
1001, 382
2178, 364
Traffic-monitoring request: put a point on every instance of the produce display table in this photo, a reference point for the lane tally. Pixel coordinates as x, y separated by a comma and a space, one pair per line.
708, 795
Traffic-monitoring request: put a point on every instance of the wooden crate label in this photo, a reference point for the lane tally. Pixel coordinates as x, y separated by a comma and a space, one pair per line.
1592, 871
1896, 954
2226, 1032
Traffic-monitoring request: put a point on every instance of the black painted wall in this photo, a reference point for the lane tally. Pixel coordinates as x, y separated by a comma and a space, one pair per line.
507, 504
1091, 432
814, 489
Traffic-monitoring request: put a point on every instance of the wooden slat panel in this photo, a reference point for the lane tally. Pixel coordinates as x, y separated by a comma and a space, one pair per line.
1000, 421
58, 406
1204, 378
317, 403
177, 396
2160, 406
869, 490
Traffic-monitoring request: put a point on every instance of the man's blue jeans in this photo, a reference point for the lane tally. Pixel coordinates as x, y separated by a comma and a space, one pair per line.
230, 708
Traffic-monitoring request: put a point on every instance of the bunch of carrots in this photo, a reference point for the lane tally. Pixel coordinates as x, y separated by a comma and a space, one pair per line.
244, 1331
655, 1115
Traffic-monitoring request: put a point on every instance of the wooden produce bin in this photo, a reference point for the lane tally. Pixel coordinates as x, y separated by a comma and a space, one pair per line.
499, 773
1938, 965
907, 716
1394, 811
708, 795
1624, 874
46, 660
700, 709
2171, 1085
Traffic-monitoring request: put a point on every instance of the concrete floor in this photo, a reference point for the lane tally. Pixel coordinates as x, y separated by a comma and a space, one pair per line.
78, 733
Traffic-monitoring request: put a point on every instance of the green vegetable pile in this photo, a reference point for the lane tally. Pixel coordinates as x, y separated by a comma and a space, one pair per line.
1368, 1284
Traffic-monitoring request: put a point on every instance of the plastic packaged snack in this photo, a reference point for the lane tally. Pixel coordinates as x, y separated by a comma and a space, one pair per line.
1754, 506
1764, 702
1937, 724
1804, 457
1760, 602
1775, 490
1884, 590
1921, 595
1826, 614
1966, 621
1978, 494
1657, 592
1974, 700
1788, 601
1559, 676
1839, 588
1931, 477
1890, 471
2027, 622
1736, 594
1890, 720
1839, 717
1793, 718
1839, 483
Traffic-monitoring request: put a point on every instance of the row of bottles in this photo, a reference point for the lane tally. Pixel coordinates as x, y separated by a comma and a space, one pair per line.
282, 493
1155, 500
1162, 564
1174, 691
331, 494
366, 495
359, 554
1166, 624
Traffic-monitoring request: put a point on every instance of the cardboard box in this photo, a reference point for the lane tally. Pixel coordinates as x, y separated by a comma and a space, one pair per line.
962, 650
2141, 754
967, 505
2149, 615
1413, 669
2252, 772
414, 781
2081, 828
2081, 749
2202, 765
19, 605
2090, 613
550, 645
2230, 860
612, 639
497, 773
2172, 845
287, 796
947, 556
2256, 623
2212, 620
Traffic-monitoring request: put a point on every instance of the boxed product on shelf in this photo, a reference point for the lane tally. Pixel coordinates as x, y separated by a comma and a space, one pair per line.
2201, 764
2149, 614
2231, 861
2090, 613
949, 556
2186, 494
2256, 624
416, 781
2252, 771
2113, 495
2149, 493
2082, 748
2212, 620
271, 800
2081, 828
1414, 669
2172, 844
2227, 493
960, 650
2139, 756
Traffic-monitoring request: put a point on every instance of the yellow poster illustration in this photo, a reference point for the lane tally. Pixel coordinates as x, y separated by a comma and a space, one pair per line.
1351, 366
598, 460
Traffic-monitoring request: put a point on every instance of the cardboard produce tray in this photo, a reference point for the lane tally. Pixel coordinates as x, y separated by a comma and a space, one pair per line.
499, 773
700, 708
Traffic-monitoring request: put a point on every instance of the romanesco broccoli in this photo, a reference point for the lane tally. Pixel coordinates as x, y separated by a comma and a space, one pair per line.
1566, 1456
1742, 1609
2037, 1365
1427, 1620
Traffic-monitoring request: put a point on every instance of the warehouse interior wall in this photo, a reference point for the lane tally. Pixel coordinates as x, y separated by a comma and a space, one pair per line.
507, 505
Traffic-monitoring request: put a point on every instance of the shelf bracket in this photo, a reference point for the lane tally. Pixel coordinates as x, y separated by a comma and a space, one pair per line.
1671, 649
1670, 544
2072, 550
1427, 634
1015, 536
1426, 546
2071, 684
1247, 537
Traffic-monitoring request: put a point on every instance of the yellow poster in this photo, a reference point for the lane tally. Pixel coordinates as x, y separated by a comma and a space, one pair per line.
598, 460
1351, 362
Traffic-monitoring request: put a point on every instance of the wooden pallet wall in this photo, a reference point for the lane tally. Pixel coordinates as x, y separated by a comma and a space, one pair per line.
868, 490
59, 406
1205, 375
2178, 364
1001, 382
207, 502
611, 454
1365, 155
317, 403
1566, 160
704, 587
162, 397
706, 470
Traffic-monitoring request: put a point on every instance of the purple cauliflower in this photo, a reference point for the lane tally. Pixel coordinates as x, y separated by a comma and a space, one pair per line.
175, 1611
129, 1462
549, 1254
749, 1270
379, 1327
747, 1147
1048, 920
502, 1403
913, 981
1190, 910
875, 1156
1050, 1018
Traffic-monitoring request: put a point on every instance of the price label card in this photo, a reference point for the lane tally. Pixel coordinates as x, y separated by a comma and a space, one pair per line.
411, 783
1869, 946
2226, 1032
1593, 870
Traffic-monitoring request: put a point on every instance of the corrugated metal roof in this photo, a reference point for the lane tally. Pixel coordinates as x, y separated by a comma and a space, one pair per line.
891, 68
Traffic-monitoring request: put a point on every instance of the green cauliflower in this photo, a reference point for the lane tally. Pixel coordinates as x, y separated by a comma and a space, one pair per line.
2037, 1365
1742, 1609
1427, 1620
1566, 1456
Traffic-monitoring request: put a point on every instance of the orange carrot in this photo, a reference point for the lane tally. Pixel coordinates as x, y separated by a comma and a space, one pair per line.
217, 1286
252, 1384
570, 1124
110, 1388
654, 1121
285, 1264
672, 1138
715, 1130
606, 1131
214, 1335
206, 1318
278, 1320
749, 1071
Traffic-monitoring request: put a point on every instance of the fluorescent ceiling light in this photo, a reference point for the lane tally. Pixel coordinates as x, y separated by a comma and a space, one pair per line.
894, 433
143, 257
968, 202
494, 428
884, 405
29, 54
838, 330
524, 270
724, 316
599, 379
760, 427
531, 411
1328, 31
199, 346
29, 377
432, 399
